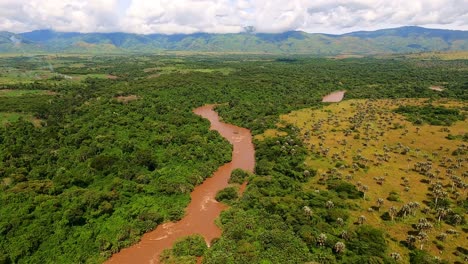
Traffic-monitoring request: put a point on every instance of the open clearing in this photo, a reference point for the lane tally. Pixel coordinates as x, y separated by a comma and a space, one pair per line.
175, 69
127, 98
366, 143
436, 88
6, 118
334, 97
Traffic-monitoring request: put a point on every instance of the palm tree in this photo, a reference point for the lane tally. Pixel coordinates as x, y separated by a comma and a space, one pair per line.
364, 189
340, 221
423, 225
392, 212
457, 219
410, 240
442, 236
422, 237
452, 231
307, 211
396, 256
438, 192
361, 220
413, 206
379, 180
442, 213
380, 202
405, 210
345, 235
322, 238
339, 247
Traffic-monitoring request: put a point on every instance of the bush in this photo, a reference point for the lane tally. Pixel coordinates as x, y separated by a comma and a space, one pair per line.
368, 242
422, 257
393, 196
434, 115
344, 187
190, 246
103, 162
439, 245
239, 176
227, 194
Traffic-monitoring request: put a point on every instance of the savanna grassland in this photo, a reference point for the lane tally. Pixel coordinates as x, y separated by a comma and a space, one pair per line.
97, 150
408, 172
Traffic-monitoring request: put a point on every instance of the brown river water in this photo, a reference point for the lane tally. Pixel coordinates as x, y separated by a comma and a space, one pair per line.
203, 208
334, 97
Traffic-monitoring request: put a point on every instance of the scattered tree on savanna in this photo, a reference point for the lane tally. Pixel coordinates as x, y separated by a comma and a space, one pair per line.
339, 221
392, 212
380, 202
307, 211
396, 256
361, 220
422, 238
321, 239
339, 247
442, 213
411, 240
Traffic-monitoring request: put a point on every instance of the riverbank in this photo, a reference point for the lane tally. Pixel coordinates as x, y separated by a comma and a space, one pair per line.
203, 208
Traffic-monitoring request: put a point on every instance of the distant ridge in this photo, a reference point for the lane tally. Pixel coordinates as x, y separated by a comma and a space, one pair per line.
395, 40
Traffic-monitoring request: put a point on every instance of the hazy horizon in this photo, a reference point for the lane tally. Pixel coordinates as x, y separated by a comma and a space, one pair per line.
201, 32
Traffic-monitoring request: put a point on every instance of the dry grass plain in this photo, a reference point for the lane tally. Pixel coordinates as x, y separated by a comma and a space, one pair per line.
366, 143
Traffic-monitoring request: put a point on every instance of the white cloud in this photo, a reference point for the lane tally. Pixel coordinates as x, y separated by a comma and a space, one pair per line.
61, 15
223, 16
187, 16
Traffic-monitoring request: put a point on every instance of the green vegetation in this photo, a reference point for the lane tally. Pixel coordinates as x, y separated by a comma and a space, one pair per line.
101, 171
433, 115
239, 176
186, 250
14, 93
227, 194
278, 221
364, 150
393, 40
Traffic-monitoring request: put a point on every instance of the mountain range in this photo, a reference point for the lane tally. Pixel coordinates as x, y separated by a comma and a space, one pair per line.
396, 40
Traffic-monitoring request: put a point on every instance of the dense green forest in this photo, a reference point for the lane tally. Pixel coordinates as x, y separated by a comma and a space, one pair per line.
431, 114
117, 150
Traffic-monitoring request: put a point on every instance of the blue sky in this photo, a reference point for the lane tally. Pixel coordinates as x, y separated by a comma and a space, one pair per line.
229, 16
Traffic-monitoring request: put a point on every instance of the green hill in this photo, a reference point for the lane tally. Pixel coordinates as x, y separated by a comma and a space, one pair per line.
396, 40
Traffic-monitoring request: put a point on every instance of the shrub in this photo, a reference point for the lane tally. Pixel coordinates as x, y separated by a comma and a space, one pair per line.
434, 115
238, 176
344, 187
227, 194
422, 257
190, 246
368, 241
393, 196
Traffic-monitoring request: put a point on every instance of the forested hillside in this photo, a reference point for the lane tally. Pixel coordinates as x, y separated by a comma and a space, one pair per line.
396, 40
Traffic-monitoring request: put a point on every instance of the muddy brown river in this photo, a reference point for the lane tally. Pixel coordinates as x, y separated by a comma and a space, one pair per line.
203, 208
